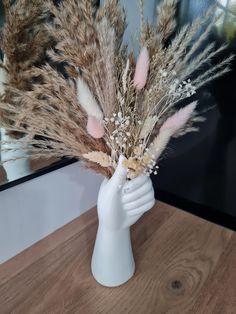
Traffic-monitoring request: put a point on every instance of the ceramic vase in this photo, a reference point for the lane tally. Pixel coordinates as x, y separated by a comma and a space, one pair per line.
120, 204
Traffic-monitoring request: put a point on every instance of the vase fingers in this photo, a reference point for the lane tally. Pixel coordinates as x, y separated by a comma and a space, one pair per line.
141, 209
136, 183
142, 191
147, 198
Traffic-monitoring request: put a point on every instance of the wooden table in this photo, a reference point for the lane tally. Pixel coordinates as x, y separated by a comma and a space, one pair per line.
184, 265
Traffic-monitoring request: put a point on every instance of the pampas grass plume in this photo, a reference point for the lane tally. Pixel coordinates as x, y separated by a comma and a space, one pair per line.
141, 71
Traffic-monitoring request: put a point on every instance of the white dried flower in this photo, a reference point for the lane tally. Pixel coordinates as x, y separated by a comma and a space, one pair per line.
163, 73
183, 89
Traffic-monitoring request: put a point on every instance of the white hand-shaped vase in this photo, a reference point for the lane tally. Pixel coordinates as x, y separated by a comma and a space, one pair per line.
120, 204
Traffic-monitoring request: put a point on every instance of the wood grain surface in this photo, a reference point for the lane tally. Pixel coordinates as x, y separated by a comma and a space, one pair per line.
183, 265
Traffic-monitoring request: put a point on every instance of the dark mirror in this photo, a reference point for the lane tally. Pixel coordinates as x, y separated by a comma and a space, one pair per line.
200, 168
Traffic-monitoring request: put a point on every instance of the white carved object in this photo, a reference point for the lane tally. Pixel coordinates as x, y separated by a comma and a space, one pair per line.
120, 204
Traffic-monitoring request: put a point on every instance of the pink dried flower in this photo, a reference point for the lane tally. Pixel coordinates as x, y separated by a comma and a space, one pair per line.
95, 127
179, 119
141, 71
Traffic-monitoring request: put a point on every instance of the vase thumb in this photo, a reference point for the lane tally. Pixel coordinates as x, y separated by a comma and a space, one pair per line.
119, 177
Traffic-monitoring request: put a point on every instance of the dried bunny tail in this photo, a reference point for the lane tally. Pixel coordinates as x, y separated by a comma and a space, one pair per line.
141, 70
87, 100
169, 128
166, 22
95, 127
179, 119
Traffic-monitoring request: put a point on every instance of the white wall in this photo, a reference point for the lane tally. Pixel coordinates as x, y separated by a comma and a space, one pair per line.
32, 210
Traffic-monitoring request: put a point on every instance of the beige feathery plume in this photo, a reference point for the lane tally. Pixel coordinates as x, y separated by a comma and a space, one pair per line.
100, 158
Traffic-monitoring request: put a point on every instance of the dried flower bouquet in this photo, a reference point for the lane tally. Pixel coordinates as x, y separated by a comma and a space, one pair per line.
108, 103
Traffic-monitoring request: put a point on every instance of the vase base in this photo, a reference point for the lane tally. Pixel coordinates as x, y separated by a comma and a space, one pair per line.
114, 282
